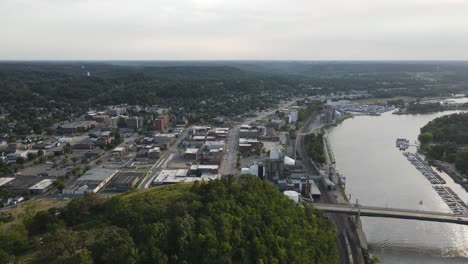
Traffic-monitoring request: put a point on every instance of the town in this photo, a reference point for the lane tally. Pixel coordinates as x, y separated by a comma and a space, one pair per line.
103, 152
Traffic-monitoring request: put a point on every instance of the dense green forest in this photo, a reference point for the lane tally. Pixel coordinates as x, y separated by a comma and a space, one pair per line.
222, 221
37, 94
446, 138
314, 146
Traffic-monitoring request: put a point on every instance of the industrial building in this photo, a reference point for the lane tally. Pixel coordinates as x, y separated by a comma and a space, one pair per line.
91, 182
123, 181
180, 175
24, 183
42, 186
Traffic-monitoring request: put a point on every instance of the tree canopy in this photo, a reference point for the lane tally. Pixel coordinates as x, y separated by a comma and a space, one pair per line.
221, 221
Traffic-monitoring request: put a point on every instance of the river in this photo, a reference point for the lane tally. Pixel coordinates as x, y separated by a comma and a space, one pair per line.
377, 174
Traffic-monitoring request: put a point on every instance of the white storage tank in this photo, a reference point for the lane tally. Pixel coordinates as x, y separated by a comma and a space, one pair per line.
245, 171
293, 195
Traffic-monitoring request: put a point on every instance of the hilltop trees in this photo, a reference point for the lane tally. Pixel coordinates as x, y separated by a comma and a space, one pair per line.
221, 221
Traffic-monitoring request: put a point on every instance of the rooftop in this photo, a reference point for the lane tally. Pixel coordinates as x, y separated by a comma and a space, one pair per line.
192, 151
42, 184
97, 174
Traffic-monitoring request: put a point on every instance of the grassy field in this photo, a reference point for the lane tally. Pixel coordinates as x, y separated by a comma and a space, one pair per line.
31, 207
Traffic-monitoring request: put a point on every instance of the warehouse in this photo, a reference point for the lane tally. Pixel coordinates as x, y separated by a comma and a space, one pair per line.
91, 182
123, 181
20, 184
179, 175
42, 186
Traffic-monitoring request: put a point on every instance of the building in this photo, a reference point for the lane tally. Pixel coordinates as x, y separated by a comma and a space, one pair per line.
161, 123
42, 186
86, 143
248, 144
220, 144
247, 131
154, 153
123, 181
103, 119
116, 111
277, 124
114, 122
199, 130
180, 175
212, 156
292, 116
26, 183
91, 181
119, 151
192, 153
77, 127
199, 169
134, 122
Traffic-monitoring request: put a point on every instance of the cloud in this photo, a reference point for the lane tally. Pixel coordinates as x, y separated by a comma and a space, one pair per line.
241, 29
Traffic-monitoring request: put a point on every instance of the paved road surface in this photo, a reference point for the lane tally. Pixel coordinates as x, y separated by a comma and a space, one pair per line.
393, 213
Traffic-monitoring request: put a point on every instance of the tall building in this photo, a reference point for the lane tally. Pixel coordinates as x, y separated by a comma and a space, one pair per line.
134, 122
161, 123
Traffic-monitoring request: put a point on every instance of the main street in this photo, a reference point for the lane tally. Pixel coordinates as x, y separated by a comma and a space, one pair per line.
230, 155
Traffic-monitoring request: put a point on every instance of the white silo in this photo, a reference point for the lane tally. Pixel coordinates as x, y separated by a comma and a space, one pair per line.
293, 195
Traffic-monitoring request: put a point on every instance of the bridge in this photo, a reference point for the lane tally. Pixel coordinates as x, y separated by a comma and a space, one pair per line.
370, 211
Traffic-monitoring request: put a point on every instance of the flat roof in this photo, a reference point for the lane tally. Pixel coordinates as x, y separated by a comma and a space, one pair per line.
175, 176
192, 151
5, 180
97, 174
22, 182
119, 149
42, 184
123, 180
204, 166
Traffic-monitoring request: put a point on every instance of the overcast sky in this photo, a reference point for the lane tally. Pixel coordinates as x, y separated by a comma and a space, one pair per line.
236, 29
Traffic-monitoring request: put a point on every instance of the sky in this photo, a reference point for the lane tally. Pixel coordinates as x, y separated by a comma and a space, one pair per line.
233, 30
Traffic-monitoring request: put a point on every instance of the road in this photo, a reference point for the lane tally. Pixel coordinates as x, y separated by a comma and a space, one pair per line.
228, 166
393, 213
346, 235
162, 162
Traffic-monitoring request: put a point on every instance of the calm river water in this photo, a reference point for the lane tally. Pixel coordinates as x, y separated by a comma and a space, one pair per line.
378, 174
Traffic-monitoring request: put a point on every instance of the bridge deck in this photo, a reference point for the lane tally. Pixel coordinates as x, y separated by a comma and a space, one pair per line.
393, 213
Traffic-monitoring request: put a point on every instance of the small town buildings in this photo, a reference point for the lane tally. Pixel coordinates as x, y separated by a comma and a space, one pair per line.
134, 122
200, 169
161, 123
119, 152
192, 153
154, 153
247, 131
77, 127
87, 143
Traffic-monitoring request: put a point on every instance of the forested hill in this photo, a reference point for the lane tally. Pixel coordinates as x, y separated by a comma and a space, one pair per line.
222, 221
446, 138
449, 129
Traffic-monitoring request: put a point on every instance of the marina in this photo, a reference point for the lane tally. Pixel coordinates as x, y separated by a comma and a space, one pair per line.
456, 205
426, 170
402, 143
